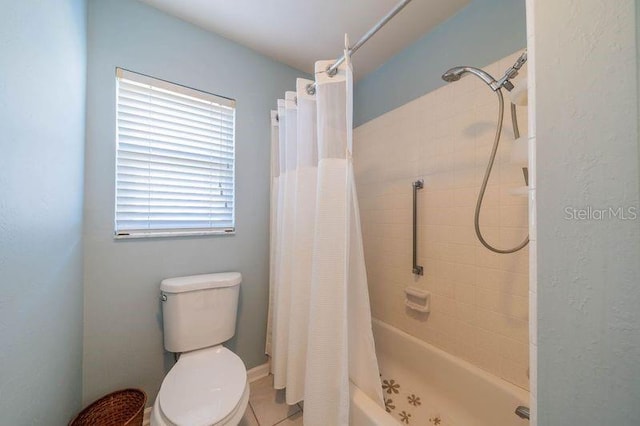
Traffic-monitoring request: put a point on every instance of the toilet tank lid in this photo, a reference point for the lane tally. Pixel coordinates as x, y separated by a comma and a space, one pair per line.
200, 282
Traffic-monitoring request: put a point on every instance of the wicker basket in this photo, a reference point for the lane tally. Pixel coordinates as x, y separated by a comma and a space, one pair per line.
121, 408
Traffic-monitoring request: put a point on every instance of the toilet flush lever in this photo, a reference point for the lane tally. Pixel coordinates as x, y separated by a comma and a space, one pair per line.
163, 297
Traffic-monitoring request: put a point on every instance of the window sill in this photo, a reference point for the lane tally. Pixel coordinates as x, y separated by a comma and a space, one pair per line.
134, 235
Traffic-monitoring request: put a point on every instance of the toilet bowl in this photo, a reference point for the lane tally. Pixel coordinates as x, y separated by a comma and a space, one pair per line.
206, 387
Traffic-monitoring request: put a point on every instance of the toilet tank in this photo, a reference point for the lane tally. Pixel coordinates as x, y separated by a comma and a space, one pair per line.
200, 310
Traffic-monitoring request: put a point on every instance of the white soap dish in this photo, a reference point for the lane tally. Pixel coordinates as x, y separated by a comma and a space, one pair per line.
417, 299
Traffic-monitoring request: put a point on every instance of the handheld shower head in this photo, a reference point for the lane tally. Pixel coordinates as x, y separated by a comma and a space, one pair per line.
456, 73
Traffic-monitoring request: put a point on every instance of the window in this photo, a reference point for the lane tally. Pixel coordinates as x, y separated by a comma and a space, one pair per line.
174, 159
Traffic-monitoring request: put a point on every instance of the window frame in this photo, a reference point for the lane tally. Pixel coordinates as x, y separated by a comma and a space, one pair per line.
122, 73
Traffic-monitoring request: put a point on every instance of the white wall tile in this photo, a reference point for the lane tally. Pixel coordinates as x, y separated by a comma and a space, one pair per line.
480, 300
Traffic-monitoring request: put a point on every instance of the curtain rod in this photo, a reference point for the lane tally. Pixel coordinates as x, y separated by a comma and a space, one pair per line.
333, 69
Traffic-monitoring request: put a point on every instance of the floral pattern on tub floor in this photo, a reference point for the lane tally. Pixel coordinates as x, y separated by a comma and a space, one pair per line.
405, 404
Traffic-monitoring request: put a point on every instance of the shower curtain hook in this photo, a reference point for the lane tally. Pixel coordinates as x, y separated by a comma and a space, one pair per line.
311, 89
331, 71
347, 48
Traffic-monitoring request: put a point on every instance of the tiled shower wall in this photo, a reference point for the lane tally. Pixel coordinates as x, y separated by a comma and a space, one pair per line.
479, 299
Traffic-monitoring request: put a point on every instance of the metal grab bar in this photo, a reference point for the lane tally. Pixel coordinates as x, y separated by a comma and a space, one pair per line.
417, 269
522, 412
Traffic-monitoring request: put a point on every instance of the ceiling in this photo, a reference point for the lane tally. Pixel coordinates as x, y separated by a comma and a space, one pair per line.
299, 32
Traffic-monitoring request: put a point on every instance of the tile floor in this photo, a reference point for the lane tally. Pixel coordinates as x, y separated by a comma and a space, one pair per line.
268, 408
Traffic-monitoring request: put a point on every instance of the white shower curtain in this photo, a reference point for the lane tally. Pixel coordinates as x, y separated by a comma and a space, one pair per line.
275, 175
322, 336
285, 240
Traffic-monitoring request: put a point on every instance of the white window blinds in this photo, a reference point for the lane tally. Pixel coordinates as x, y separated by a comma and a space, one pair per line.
174, 159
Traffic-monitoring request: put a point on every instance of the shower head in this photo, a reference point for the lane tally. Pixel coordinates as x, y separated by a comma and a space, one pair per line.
454, 74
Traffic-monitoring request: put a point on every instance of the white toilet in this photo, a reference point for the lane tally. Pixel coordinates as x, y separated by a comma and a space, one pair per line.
208, 385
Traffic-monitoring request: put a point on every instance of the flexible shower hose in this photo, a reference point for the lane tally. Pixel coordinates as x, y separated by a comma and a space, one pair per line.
485, 181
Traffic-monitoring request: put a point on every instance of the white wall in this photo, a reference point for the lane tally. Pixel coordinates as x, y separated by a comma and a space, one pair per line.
587, 156
479, 308
123, 335
42, 98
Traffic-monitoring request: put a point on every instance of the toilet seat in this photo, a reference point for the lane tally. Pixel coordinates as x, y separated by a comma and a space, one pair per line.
206, 387
233, 419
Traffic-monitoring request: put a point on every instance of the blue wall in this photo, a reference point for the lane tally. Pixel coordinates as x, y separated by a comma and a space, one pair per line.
42, 99
123, 336
480, 34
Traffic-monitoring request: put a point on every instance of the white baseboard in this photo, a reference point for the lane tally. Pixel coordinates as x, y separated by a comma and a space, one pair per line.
147, 416
257, 373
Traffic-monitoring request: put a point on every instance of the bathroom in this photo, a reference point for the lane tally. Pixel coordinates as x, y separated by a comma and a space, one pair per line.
553, 327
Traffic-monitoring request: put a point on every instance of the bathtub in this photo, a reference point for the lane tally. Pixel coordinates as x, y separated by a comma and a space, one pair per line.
428, 386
